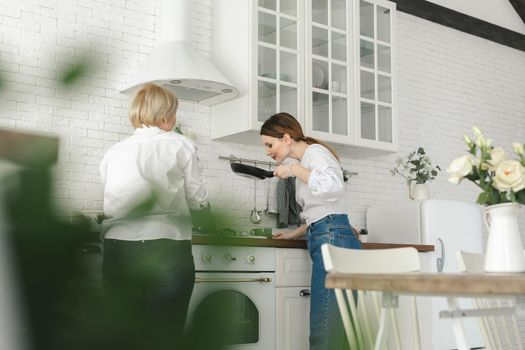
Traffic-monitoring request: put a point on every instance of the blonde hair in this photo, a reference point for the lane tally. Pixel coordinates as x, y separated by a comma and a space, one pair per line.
152, 104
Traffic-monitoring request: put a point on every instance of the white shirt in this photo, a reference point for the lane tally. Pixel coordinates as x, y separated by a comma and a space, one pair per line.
157, 171
324, 192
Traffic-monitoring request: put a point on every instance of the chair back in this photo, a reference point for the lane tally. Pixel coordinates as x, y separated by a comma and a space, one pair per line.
365, 322
395, 260
499, 331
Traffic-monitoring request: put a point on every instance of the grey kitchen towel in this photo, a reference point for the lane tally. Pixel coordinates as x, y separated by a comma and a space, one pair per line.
289, 209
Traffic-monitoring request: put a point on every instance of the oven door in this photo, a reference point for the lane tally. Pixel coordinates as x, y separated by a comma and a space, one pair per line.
248, 297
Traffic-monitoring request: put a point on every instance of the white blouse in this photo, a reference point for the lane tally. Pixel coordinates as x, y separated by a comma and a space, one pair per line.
156, 171
324, 193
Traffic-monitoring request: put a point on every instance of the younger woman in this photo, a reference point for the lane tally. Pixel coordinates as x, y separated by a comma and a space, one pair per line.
320, 192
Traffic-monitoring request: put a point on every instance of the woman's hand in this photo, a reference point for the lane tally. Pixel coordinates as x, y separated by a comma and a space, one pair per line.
282, 171
284, 235
298, 232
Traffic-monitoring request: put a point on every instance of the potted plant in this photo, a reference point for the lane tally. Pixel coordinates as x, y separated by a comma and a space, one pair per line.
417, 169
502, 184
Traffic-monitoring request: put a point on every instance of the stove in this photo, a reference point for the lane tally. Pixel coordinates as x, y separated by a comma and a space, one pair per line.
246, 277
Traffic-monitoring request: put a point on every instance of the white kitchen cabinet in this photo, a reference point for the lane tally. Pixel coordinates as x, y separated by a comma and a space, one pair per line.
329, 68
350, 100
327, 62
259, 45
375, 107
293, 318
293, 274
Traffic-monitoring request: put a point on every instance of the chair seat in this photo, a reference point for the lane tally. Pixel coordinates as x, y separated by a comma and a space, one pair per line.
499, 332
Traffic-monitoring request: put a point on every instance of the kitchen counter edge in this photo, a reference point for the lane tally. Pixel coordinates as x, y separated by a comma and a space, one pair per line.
289, 243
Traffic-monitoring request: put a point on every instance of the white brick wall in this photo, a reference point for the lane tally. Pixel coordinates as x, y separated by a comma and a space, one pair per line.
448, 81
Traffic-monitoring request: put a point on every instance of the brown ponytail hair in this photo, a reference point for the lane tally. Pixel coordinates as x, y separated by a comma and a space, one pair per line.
283, 123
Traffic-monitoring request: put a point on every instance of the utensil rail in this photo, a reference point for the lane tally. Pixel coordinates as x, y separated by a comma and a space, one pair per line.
233, 158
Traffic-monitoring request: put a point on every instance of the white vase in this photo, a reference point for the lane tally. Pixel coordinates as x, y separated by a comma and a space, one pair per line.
504, 250
418, 191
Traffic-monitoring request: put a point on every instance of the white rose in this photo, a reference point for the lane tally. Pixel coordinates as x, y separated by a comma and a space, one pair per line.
518, 148
459, 168
510, 174
497, 155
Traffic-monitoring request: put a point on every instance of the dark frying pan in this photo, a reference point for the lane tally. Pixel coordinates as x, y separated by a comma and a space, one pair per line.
250, 171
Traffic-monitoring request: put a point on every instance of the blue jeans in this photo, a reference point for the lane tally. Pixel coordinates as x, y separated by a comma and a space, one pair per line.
148, 285
326, 327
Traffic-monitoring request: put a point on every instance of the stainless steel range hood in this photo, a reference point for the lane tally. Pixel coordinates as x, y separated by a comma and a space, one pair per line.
175, 64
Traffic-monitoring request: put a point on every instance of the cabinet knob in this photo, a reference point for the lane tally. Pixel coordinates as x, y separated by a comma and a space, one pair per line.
304, 293
250, 259
207, 258
229, 258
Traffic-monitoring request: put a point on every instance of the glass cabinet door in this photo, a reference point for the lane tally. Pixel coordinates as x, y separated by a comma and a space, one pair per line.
279, 67
329, 70
375, 72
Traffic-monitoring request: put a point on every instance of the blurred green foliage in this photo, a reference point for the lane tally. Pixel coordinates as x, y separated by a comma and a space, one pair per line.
65, 310
62, 307
75, 72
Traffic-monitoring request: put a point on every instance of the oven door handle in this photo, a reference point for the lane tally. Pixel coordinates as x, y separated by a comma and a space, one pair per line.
216, 279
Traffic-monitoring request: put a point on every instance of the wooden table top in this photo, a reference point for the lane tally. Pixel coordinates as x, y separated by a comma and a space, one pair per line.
432, 283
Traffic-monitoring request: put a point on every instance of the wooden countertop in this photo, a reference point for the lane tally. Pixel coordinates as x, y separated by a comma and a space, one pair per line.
463, 284
248, 241
288, 243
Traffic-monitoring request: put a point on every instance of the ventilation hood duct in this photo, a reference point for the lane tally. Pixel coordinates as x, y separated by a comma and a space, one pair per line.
174, 63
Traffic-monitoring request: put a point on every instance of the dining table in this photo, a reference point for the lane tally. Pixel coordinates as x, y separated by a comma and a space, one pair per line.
449, 285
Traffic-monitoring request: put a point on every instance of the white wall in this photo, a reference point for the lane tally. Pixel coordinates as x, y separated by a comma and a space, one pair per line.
448, 81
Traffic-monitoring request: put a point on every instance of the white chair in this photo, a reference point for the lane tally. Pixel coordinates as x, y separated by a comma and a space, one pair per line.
366, 320
499, 332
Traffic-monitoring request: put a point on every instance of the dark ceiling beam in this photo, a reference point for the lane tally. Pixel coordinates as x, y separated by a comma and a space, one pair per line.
465, 23
519, 6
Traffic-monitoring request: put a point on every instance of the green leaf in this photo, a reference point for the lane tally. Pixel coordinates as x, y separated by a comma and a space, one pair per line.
474, 176
483, 198
74, 73
421, 151
502, 196
520, 197
177, 129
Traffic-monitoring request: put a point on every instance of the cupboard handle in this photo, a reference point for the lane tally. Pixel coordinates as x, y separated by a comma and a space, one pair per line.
305, 293
217, 279
440, 262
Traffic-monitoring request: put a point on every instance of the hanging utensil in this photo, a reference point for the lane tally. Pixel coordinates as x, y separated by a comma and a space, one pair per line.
250, 171
255, 215
267, 211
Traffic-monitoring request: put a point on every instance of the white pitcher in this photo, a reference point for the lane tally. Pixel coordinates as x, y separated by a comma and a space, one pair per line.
504, 250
